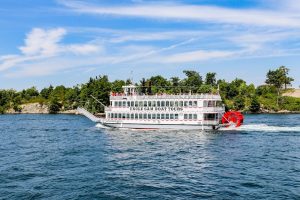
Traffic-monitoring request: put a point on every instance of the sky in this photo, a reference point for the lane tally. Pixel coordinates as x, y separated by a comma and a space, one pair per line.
65, 42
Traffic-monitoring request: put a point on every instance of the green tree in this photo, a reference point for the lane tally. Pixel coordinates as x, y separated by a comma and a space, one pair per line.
175, 83
204, 89
45, 93
255, 105
117, 86
239, 103
210, 79
54, 106
193, 80
278, 78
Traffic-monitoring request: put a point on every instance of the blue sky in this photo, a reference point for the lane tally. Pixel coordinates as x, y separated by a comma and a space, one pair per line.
67, 41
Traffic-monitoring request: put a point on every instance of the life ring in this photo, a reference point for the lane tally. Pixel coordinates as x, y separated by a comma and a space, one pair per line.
233, 117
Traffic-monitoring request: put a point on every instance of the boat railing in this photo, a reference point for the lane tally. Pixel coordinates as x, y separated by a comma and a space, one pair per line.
211, 122
166, 96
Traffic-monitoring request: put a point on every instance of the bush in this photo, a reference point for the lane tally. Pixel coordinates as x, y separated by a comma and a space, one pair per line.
255, 105
54, 106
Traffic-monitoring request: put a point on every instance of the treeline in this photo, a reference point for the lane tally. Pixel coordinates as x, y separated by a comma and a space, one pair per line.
237, 94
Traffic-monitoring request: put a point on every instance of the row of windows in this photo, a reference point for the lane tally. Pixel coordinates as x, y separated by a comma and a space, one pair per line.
165, 103
149, 116
155, 103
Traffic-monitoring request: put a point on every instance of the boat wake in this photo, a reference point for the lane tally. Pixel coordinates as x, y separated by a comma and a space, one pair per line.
264, 128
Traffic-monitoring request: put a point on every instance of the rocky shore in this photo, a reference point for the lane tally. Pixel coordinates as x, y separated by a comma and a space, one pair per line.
36, 108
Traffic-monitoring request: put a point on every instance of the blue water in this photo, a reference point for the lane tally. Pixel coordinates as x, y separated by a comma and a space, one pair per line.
67, 157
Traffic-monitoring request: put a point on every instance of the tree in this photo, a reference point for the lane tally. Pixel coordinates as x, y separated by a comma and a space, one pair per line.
205, 89
143, 86
193, 80
54, 106
255, 105
117, 86
210, 79
45, 93
239, 103
175, 83
278, 78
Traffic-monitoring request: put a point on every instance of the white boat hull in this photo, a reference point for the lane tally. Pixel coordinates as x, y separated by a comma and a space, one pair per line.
161, 126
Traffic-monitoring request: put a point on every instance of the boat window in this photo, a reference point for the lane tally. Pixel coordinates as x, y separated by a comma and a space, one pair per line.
195, 116
116, 104
111, 103
167, 103
124, 103
128, 103
167, 116
194, 103
176, 116
119, 115
185, 103
172, 103
185, 116
120, 103
209, 116
190, 116
162, 104
136, 116
140, 116
210, 103
176, 103
153, 116
190, 103
149, 103
145, 116
132, 103
145, 103
162, 116
140, 104
180, 103
149, 116
158, 116
132, 116
136, 103
158, 103
153, 103
171, 116
123, 116
127, 115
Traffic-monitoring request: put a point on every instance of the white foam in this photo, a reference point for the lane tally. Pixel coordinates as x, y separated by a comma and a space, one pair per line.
264, 128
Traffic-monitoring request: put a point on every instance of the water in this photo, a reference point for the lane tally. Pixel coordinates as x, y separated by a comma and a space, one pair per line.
67, 157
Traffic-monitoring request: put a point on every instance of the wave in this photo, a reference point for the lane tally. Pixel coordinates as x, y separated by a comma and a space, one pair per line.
265, 128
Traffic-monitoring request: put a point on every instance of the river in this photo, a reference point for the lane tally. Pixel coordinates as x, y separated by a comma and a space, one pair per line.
68, 157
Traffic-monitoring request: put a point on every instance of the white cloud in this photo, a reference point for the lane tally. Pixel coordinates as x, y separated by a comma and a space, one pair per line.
83, 49
43, 42
200, 55
212, 14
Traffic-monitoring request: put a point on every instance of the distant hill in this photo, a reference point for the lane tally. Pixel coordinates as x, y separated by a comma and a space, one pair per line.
293, 93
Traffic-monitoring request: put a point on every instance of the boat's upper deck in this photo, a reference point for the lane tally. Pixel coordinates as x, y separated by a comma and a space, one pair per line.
165, 96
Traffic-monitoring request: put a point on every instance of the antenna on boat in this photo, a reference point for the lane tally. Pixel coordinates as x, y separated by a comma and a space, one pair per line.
131, 77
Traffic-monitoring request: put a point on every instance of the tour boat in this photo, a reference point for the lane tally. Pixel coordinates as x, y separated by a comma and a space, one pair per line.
133, 110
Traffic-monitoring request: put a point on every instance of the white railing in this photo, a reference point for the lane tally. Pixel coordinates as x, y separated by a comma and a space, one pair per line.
88, 114
166, 96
